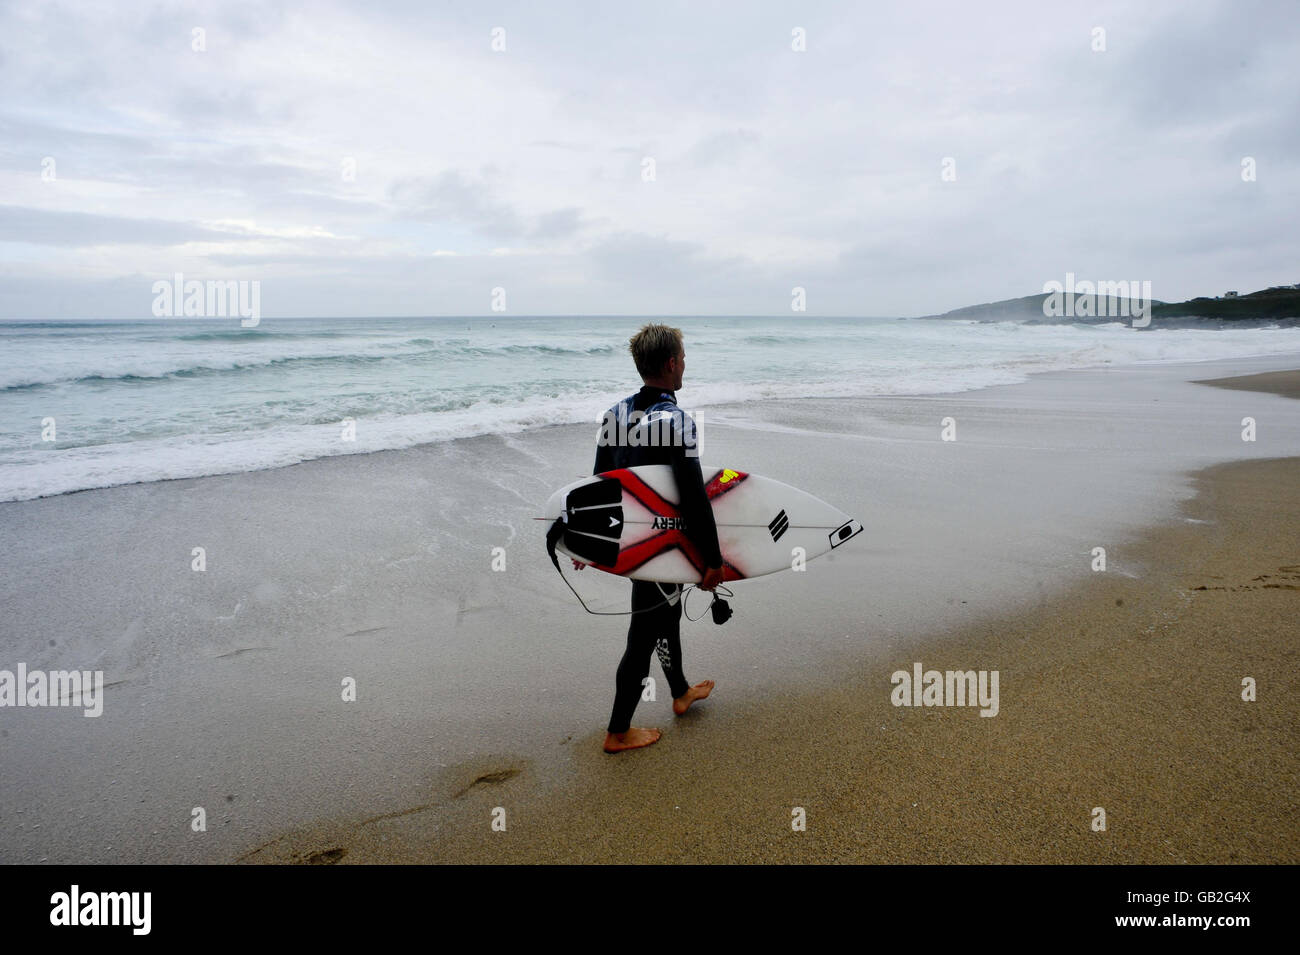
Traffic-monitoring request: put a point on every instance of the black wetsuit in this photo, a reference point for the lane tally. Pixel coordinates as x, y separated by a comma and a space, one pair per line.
659, 629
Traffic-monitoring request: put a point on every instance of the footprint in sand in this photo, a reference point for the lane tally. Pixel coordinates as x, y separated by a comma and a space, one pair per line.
489, 779
326, 857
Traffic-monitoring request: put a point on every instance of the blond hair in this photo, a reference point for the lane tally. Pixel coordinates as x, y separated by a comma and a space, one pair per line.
652, 346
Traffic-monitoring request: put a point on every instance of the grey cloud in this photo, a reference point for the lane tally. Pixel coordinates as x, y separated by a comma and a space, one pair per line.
558, 224
554, 144
49, 227
722, 147
1127, 160
453, 197
22, 139
1198, 65
327, 258
157, 164
637, 260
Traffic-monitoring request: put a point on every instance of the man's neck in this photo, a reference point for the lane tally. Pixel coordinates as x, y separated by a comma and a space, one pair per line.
661, 388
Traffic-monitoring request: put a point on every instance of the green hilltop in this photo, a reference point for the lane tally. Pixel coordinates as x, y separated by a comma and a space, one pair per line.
1276, 304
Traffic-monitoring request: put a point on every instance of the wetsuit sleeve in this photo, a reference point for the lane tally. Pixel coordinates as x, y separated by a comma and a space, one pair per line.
695, 507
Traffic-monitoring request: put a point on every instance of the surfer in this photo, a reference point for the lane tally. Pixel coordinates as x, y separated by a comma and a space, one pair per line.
660, 433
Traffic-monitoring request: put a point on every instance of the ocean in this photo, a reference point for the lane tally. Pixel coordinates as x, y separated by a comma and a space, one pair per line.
98, 403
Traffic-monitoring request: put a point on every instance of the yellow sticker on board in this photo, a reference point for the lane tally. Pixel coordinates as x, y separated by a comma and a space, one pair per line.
727, 475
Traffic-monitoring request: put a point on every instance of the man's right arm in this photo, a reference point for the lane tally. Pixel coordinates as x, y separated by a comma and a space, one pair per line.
694, 503
696, 508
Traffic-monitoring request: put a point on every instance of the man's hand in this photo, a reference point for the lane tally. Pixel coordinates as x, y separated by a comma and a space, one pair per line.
712, 577
577, 564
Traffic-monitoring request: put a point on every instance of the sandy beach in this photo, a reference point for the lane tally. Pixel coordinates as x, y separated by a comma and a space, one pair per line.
1118, 688
1124, 694
1270, 382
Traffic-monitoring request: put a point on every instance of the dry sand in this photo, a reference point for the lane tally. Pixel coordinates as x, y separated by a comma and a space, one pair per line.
1124, 694
1286, 383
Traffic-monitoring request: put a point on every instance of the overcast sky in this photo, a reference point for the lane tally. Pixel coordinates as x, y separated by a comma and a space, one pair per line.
525, 168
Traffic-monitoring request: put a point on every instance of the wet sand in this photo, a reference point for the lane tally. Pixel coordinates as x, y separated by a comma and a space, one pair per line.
478, 689
1124, 695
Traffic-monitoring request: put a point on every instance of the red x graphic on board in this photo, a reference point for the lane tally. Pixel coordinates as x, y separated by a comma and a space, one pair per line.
630, 558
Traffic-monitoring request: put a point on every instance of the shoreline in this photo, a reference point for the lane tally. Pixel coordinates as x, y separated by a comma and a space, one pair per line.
1282, 383
1123, 694
223, 687
1264, 382
840, 787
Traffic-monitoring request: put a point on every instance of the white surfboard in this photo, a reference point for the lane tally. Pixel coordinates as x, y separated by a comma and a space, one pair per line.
626, 522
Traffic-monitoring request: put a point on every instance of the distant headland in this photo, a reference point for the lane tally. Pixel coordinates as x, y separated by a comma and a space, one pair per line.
1279, 305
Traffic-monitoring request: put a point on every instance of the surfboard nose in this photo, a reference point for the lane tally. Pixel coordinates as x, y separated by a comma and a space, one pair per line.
849, 529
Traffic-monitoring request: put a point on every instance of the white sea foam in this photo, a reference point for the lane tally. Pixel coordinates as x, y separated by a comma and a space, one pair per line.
154, 400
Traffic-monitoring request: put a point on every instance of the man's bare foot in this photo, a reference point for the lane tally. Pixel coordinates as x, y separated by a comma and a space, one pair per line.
698, 692
634, 738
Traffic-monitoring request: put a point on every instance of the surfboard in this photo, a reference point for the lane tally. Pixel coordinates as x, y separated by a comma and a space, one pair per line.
626, 522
